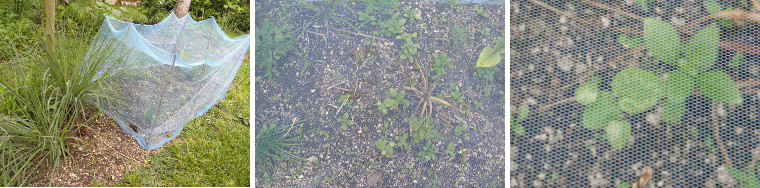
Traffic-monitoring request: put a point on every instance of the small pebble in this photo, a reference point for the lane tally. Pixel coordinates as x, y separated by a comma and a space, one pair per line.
605, 22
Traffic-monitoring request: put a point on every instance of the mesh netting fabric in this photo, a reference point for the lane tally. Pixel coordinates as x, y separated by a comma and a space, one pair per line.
635, 93
172, 72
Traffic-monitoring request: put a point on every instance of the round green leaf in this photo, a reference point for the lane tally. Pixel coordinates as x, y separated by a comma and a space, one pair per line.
717, 85
680, 85
639, 90
703, 50
674, 111
618, 132
600, 113
488, 58
662, 40
587, 93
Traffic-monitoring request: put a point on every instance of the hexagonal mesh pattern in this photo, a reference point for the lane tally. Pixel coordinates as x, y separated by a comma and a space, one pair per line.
635, 93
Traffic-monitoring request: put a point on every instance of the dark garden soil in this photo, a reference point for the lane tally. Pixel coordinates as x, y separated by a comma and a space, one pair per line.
348, 158
101, 160
551, 53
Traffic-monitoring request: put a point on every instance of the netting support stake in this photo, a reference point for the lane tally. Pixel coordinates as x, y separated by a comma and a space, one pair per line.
163, 91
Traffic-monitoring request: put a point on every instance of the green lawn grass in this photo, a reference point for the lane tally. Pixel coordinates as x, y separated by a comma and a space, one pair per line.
212, 150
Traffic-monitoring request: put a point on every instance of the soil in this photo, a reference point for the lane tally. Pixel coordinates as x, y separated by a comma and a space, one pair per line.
551, 53
103, 157
349, 158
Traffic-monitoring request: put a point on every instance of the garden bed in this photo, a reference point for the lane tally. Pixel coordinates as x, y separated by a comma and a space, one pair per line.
338, 72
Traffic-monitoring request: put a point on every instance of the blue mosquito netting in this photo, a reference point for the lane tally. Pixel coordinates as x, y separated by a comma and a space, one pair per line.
171, 72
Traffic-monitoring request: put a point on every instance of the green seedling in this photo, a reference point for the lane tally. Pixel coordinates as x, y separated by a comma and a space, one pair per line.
485, 72
410, 48
517, 127
636, 90
451, 148
272, 43
458, 130
391, 26
442, 62
748, 177
345, 122
411, 14
396, 98
428, 152
455, 95
481, 12
386, 149
401, 140
422, 129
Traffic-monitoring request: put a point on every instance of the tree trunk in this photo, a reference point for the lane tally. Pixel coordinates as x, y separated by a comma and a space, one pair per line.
50, 20
181, 8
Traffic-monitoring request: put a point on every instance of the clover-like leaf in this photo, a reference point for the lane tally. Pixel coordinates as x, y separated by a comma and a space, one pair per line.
680, 85
674, 111
703, 50
587, 93
618, 132
717, 85
600, 113
662, 40
638, 89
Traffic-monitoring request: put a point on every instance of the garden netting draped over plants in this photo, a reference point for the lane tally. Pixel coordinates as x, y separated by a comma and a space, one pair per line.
172, 72
635, 93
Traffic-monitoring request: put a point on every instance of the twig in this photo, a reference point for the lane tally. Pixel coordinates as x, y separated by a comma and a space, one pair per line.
756, 4
730, 14
716, 134
341, 106
617, 10
368, 36
545, 107
328, 88
291, 128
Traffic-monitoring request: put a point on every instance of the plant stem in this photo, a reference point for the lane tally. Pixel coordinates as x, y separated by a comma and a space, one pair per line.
716, 133
616, 10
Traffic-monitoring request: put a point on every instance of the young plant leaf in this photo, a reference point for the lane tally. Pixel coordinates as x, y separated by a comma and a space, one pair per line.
703, 50
518, 129
662, 40
638, 89
717, 85
618, 132
680, 85
587, 93
524, 111
674, 111
712, 7
738, 59
491, 56
628, 41
600, 113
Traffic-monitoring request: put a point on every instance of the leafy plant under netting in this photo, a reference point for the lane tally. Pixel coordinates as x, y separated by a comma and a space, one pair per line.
173, 72
641, 94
